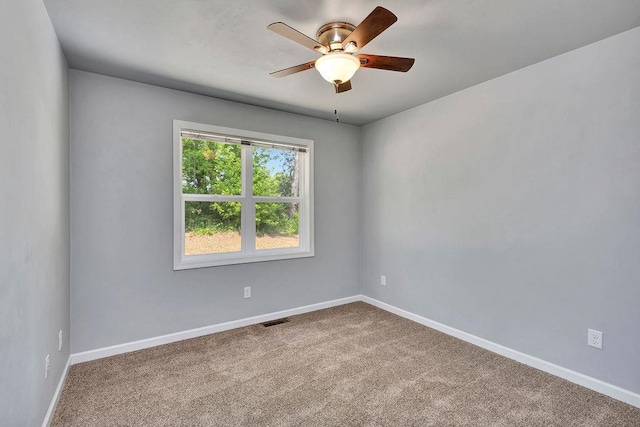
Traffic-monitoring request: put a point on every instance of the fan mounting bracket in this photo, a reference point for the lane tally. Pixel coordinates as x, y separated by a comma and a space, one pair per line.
333, 34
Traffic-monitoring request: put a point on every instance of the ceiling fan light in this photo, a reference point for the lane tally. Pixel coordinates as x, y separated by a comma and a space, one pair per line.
337, 67
351, 47
321, 49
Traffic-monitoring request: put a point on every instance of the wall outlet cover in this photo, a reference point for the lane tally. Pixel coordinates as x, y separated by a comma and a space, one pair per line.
594, 338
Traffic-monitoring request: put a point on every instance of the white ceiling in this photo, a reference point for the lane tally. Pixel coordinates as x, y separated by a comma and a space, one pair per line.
223, 48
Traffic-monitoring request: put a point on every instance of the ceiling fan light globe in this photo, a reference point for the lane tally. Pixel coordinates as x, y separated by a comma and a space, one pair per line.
337, 67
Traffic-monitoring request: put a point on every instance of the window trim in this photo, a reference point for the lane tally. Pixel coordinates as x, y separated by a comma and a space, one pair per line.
249, 255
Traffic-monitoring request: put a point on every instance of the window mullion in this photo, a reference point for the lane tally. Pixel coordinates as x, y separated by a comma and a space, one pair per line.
248, 208
276, 199
210, 198
306, 208
302, 206
182, 233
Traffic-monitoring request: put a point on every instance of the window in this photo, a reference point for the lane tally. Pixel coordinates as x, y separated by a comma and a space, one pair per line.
240, 196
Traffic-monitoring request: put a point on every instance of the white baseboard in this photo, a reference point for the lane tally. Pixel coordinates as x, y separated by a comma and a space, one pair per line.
575, 377
559, 371
56, 396
100, 353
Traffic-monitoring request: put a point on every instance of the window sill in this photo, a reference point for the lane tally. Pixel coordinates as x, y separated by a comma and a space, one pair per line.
201, 261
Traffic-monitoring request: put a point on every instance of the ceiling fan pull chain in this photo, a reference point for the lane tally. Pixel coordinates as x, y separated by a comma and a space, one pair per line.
335, 111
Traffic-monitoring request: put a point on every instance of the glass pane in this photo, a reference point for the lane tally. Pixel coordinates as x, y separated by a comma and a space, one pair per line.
277, 225
276, 172
211, 167
211, 228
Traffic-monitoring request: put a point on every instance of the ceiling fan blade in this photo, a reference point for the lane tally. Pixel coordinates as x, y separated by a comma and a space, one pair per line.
343, 87
377, 21
391, 63
293, 70
295, 35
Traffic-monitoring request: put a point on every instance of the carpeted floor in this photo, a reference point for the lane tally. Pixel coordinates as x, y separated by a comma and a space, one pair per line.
353, 365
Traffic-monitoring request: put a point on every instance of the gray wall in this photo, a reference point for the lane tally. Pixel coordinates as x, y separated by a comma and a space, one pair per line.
123, 285
34, 217
511, 210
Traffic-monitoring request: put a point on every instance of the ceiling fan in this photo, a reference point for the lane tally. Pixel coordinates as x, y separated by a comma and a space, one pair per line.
338, 42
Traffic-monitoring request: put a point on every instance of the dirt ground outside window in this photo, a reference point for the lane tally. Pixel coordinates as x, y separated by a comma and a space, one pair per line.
229, 241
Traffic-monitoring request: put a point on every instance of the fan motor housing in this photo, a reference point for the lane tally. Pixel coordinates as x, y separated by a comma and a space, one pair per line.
334, 32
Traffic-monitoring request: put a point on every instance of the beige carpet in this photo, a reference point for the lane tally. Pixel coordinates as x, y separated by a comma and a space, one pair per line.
353, 365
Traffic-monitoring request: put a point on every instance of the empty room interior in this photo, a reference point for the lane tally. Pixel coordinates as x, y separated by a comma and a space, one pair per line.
300, 213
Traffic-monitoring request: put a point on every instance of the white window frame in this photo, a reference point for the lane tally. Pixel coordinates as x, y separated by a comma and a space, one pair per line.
248, 252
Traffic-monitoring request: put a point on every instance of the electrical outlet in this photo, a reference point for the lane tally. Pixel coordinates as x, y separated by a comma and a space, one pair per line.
594, 338
247, 291
47, 365
60, 340
383, 280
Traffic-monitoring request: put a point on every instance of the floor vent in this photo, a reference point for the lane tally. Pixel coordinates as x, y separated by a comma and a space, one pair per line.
275, 322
